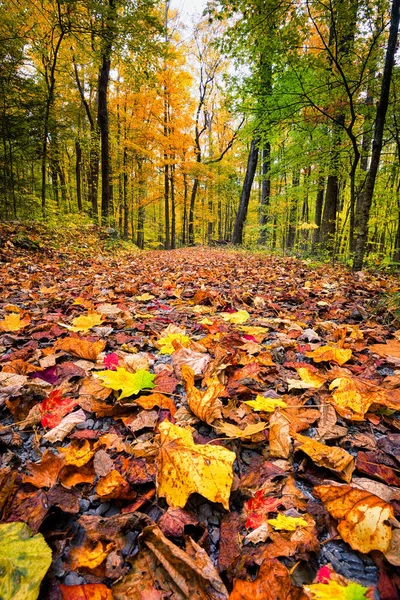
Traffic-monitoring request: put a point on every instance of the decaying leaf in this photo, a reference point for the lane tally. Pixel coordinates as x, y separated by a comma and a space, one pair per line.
333, 458
24, 561
185, 467
130, 384
363, 518
205, 405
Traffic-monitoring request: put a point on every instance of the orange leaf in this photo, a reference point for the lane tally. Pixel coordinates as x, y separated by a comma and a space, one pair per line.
156, 399
330, 354
113, 485
272, 583
87, 591
333, 458
90, 555
45, 473
363, 517
204, 405
81, 348
78, 453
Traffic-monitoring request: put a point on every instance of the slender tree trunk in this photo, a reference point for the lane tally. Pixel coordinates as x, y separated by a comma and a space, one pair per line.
265, 192
173, 208
191, 212
184, 219
237, 237
291, 233
318, 212
78, 168
367, 195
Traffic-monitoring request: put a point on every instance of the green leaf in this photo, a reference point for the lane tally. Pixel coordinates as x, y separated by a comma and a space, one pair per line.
24, 562
129, 383
332, 590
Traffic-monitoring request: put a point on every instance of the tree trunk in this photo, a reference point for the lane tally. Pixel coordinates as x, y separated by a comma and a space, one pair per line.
318, 212
78, 166
241, 215
291, 234
191, 212
265, 192
381, 110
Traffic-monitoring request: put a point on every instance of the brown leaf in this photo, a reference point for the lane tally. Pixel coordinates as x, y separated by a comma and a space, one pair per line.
333, 458
172, 523
102, 463
80, 347
197, 361
280, 443
205, 405
71, 476
44, 473
113, 485
272, 583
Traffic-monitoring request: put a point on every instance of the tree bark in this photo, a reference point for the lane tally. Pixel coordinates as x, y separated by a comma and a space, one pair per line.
237, 237
265, 192
78, 165
381, 110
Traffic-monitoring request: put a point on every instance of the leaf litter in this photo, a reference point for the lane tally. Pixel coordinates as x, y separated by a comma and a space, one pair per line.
196, 424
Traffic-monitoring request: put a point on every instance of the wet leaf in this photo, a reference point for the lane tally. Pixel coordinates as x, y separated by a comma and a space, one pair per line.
185, 467
24, 561
130, 384
89, 555
280, 442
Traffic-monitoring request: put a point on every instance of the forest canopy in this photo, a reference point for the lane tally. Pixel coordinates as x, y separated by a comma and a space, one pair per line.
266, 122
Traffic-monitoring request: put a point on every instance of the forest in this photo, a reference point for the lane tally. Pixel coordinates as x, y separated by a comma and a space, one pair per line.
270, 123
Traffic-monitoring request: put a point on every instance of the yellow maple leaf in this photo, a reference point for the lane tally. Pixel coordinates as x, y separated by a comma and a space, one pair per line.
166, 343
84, 322
330, 354
129, 383
287, 523
90, 555
238, 317
363, 516
13, 322
145, 297
184, 467
265, 404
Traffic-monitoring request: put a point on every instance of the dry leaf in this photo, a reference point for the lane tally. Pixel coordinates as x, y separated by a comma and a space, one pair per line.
333, 458
232, 431
280, 443
65, 427
13, 322
363, 518
84, 322
197, 361
308, 380
45, 473
204, 405
78, 453
87, 591
272, 583
81, 347
330, 354
156, 399
265, 404
90, 554
185, 467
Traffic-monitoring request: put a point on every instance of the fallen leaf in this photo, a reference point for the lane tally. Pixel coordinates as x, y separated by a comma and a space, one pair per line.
89, 555
287, 523
258, 507
390, 349
205, 405
260, 534
280, 442
55, 407
130, 384
272, 583
232, 431
353, 397
331, 585
197, 361
185, 467
166, 344
24, 561
113, 485
13, 322
80, 347
265, 404
362, 516
87, 591
238, 318
331, 457
330, 354
44, 473
156, 399
308, 380
84, 322
65, 427
78, 453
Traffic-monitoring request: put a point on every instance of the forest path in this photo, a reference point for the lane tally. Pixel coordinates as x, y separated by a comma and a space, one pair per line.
306, 344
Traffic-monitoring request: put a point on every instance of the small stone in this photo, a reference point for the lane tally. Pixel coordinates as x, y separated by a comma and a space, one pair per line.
73, 579
214, 520
112, 512
84, 504
130, 543
103, 508
98, 425
205, 512
214, 535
